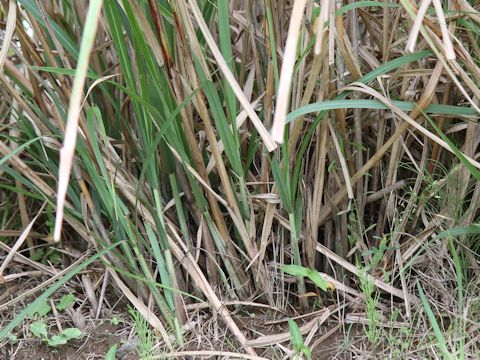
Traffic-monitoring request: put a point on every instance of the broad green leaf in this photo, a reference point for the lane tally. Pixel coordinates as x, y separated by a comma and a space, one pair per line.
65, 302
71, 333
318, 280
295, 270
313, 275
63, 337
39, 329
295, 335
57, 340
306, 350
111, 353
42, 309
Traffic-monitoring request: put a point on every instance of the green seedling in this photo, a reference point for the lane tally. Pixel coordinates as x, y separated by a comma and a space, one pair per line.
115, 321
42, 309
371, 297
313, 275
111, 353
297, 340
146, 338
65, 302
39, 330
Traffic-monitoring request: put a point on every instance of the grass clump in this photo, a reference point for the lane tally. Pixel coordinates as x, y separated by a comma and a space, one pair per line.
203, 160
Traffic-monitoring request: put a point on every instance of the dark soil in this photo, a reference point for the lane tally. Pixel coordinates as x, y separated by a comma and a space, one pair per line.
93, 345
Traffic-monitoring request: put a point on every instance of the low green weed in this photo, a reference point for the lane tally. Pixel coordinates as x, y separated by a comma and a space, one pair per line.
39, 328
297, 341
146, 339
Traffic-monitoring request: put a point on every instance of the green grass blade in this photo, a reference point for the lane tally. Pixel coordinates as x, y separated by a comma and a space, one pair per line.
226, 49
460, 311
436, 109
17, 150
442, 344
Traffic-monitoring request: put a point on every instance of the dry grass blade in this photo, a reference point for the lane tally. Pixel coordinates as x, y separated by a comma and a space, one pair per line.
27, 274
413, 35
94, 84
447, 42
74, 109
29, 262
149, 35
286, 74
19, 243
322, 19
217, 305
278, 338
9, 30
469, 10
343, 163
433, 41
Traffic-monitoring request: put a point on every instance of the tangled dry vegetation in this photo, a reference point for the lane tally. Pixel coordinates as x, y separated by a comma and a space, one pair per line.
238, 164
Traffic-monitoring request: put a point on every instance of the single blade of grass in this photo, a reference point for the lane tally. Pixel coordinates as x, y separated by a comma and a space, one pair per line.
9, 29
286, 72
442, 344
226, 48
17, 150
434, 109
67, 152
460, 298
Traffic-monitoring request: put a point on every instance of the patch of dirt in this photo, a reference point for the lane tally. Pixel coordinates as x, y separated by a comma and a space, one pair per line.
94, 344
